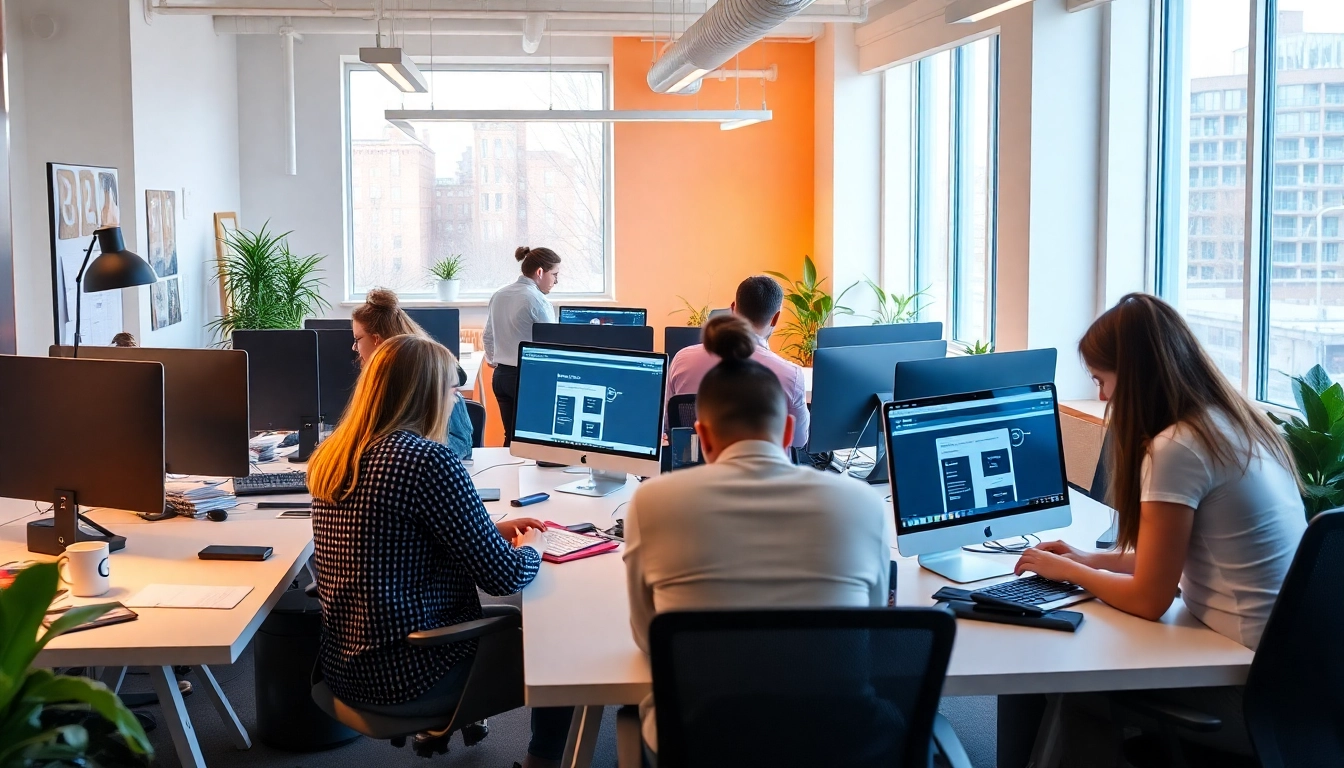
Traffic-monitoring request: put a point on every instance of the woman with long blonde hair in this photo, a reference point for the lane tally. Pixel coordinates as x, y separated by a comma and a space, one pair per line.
402, 542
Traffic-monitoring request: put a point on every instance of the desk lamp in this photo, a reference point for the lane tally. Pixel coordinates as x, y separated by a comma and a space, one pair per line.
115, 267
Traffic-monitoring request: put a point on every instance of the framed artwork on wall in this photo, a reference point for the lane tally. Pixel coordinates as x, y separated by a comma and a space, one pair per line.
82, 199
225, 222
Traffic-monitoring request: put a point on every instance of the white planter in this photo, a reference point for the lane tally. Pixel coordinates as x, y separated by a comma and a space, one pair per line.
448, 289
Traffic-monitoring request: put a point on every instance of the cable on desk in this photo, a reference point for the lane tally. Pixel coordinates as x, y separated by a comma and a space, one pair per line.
618, 508
494, 466
998, 548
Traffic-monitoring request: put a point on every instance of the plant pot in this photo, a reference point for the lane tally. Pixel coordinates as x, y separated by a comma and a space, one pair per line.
448, 289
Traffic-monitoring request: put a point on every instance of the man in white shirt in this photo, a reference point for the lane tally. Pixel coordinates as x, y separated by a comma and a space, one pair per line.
750, 529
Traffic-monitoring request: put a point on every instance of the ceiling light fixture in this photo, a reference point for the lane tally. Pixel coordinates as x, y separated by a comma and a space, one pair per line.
691, 77
736, 118
733, 125
971, 11
397, 67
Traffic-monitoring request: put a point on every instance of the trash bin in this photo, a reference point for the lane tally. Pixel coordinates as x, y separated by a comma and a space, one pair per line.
286, 649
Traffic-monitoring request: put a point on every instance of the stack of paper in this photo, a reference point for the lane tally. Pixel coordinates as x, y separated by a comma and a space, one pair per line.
195, 500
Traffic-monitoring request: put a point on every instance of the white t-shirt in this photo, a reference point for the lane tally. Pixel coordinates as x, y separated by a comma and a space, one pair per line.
1246, 530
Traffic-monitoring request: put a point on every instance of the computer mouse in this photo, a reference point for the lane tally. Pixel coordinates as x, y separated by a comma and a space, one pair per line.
218, 515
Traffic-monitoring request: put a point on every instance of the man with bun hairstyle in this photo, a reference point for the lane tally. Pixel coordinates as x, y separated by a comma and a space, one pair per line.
513, 310
749, 529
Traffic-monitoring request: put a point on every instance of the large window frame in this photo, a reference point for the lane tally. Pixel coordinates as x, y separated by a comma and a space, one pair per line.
448, 64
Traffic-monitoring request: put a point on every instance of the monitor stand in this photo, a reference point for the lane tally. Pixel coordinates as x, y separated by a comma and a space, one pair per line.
307, 441
598, 483
877, 475
956, 565
51, 537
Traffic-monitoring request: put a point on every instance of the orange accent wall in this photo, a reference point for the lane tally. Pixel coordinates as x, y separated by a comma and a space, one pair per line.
699, 208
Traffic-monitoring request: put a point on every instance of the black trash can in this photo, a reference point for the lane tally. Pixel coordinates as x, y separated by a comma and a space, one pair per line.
286, 649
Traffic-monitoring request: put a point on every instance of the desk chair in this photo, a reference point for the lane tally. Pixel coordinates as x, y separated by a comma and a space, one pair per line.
476, 411
681, 412
801, 688
494, 685
1294, 698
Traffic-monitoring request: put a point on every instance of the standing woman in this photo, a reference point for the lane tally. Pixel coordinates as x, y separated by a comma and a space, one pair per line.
513, 310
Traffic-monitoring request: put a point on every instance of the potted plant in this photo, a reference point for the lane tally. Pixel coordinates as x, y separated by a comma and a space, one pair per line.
812, 308
265, 285
695, 316
893, 307
1317, 442
50, 719
979, 347
447, 274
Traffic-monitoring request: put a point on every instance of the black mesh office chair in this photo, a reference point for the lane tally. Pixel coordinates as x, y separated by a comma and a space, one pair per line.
681, 411
784, 688
476, 411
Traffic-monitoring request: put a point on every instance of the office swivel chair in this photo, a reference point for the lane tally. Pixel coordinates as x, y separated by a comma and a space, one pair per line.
494, 685
681, 412
476, 412
1294, 698
799, 688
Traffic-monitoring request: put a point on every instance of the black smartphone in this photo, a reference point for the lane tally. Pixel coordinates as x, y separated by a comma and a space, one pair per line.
222, 552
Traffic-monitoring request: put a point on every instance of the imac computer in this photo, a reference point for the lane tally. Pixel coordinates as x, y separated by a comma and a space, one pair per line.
677, 338
849, 386
892, 333
80, 432
443, 324
283, 381
337, 372
204, 405
597, 408
327, 324
636, 338
974, 467
603, 316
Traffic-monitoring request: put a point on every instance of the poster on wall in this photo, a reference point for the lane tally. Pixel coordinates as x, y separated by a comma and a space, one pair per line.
161, 225
82, 199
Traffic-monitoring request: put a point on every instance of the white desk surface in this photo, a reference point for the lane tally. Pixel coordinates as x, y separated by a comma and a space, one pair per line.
471, 360
164, 552
578, 648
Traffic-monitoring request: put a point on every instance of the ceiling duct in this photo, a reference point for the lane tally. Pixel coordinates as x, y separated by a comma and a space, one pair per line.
719, 35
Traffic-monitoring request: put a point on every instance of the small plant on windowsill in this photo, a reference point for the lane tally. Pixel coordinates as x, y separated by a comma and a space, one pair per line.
979, 347
695, 316
447, 274
1317, 441
893, 307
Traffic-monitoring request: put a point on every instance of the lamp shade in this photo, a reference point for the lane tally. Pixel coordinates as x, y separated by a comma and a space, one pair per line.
116, 267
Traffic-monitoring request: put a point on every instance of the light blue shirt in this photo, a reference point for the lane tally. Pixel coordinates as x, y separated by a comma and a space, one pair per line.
513, 310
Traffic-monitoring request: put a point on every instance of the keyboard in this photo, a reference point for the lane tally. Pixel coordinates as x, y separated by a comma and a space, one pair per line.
1037, 591
560, 542
262, 483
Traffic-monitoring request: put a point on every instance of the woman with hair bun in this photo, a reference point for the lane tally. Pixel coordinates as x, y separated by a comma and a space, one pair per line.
513, 310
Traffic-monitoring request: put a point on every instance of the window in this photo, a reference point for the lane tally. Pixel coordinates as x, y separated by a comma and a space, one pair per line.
1285, 201
1311, 121
1308, 253
1234, 126
1285, 149
1285, 226
463, 165
1285, 252
1310, 173
1334, 93
1234, 150
939, 178
1330, 226
1311, 147
1234, 176
1333, 175
1288, 122
1334, 149
1285, 175
1334, 121
1330, 252
1234, 100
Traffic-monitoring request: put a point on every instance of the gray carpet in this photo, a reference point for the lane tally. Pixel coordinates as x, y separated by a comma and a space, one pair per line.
972, 718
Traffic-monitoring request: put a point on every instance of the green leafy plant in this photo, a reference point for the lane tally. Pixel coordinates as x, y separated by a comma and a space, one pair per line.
695, 316
894, 307
448, 268
1317, 442
50, 719
265, 285
812, 308
979, 347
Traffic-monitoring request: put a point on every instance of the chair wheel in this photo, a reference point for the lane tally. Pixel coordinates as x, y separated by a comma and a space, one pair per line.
427, 745
398, 742
475, 733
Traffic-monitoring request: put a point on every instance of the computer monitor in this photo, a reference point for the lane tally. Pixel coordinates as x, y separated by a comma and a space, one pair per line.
337, 372
443, 324
80, 432
891, 333
326, 324
677, 338
972, 373
972, 467
602, 316
713, 313
206, 426
599, 408
636, 338
282, 379
849, 385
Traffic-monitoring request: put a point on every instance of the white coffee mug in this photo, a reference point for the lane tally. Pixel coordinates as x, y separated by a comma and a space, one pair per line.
88, 568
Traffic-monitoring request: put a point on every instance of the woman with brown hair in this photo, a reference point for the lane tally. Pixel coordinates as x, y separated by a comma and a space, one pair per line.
513, 310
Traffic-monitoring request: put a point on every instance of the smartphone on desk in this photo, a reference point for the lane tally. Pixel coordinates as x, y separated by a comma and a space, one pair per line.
223, 552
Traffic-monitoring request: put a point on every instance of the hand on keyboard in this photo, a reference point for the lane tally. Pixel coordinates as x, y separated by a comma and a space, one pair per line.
1047, 564
531, 537
510, 529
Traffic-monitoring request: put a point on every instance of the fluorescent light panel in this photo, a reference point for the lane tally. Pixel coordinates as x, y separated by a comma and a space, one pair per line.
397, 67
734, 117
682, 84
971, 11
733, 125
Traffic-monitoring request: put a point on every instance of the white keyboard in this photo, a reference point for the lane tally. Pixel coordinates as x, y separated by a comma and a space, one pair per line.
560, 542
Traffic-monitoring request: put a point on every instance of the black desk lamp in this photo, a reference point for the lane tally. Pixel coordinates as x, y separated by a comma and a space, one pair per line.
116, 267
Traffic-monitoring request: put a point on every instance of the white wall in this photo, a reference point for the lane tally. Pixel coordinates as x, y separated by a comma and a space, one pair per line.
70, 102
184, 89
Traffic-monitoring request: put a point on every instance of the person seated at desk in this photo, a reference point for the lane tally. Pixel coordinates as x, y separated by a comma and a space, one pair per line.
380, 318
401, 542
749, 529
1204, 488
760, 301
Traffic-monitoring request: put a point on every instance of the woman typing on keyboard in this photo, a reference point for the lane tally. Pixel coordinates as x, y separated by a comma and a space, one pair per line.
1203, 485
402, 542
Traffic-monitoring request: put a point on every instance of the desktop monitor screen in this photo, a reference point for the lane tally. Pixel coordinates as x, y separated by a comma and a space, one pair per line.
337, 371
205, 400
892, 333
849, 384
637, 338
602, 316
975, 466
326, 324
282, 375
972, 373
441, 323
602, 408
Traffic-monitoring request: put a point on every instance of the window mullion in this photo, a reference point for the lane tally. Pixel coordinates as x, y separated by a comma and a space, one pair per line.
1255, 277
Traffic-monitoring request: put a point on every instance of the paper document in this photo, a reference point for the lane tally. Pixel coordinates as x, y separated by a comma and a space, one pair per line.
187, 596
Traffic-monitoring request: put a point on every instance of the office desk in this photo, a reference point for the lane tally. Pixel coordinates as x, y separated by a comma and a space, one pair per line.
165, 552
578, 649
471, 360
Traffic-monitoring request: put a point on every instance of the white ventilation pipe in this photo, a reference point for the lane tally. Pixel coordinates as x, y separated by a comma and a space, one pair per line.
534, 26
287, 35
719, 35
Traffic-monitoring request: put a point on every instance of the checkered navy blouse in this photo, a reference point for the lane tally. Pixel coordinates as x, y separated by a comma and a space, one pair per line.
405, 551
